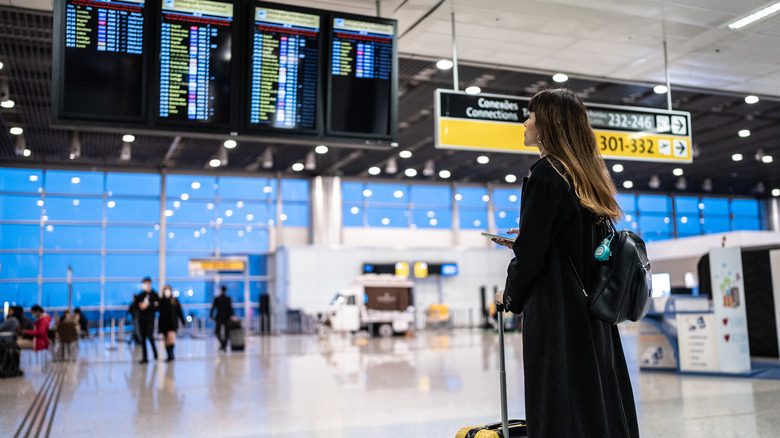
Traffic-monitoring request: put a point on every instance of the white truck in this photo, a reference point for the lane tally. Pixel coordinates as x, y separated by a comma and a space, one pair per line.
379, 303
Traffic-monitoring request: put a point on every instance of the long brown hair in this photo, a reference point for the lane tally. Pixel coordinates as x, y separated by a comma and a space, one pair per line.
566, 135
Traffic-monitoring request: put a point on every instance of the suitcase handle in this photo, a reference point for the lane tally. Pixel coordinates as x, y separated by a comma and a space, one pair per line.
502, 369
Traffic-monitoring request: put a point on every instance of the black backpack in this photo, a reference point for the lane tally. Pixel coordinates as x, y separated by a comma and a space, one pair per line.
9, 359
621, 286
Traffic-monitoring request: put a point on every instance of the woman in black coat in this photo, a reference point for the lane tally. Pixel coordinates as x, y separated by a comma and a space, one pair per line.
576, 380
170, 315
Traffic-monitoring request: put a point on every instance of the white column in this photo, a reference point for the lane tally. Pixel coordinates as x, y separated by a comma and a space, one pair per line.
325, 211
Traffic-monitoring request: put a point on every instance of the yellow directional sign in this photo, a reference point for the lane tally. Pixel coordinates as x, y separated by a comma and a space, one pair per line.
216, 265
495, 123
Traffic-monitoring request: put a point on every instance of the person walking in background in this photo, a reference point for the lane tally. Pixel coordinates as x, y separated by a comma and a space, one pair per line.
170, 315
40, 331
148, 303
133, 311
223, 307
82, 322
576, 379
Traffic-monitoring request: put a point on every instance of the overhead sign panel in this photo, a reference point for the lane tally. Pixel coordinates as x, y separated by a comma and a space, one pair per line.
495, 123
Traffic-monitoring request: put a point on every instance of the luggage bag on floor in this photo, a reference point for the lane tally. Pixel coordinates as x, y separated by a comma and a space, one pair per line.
504, 428
236, 334
9, 359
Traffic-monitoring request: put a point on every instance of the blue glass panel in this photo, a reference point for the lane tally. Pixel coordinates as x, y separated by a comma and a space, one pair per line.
473, 218
295, 190
246, 188
133, 210
716, 224
431, 195
745, 207
146, 237
235, 290
18, 207
715, 206
258, 264
507, 198
20, 236
190, 212
746, 224
21, 180
20, 294
657, 237
506, 219
627, 203
471, 197
688, 225
84, 265
84, 294
196, 291
654, 203
352, 192
19, 265
190, 238
132, 265
245, 213
352, 216
195, 186
121, 293
388, 217
686, 205
297, 215
655, 226
432, 217
74, 209
68, 181
138, 184
243, 240
387, 194
73, 237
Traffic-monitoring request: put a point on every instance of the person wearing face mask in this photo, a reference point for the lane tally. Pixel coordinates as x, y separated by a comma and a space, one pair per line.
170, 315
148, 303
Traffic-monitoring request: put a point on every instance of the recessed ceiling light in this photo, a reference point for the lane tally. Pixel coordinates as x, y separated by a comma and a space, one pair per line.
751, 99
765, 159
321, 149
617, 168
16, 130
775, 192
473, 90
405, 154
510, 178
755, 16
128, 138
297, 167
1, 65
744, 133
28, 152
215, 162
560, 77
411, 173
660, 89
628, 184
483, 159
444, 174
736, 157
374, 170
7, 104
230, 144
677, 172
367, 193
444, 64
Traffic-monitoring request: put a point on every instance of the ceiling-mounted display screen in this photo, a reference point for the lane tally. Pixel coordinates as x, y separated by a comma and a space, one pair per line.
102, 70
196, 40
362, 77
284, 69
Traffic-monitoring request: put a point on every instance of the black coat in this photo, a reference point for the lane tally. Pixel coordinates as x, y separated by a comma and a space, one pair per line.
170, 315
148, 314
223, 307
576, 380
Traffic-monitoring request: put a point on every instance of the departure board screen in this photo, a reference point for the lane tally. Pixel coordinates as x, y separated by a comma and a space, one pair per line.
361, 77
103, 63
284, 68
195, 61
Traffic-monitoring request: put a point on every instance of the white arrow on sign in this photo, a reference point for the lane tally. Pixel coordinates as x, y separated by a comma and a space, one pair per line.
679, 125
680, 148
665, 147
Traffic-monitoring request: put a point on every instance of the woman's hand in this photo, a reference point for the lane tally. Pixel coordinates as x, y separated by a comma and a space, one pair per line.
500, 297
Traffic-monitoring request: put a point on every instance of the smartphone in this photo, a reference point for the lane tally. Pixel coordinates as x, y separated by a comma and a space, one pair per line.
498, 237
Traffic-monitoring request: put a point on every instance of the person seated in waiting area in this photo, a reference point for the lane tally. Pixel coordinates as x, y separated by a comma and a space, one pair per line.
41, 331
9, 326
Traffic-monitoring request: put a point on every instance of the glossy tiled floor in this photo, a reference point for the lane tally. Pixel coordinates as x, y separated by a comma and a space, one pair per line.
298, 386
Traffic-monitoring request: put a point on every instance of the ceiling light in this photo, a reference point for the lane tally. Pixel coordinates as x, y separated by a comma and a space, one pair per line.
428, 170
367, 193
628, 184
75, 180
230, 144
405, 154
128, 138
268, 158
473, 90
483, 159
444, 64
707, 185
392, 166
660, 89
617, 168
775, 192
297, 167
681, 184
744, 133
16, 130
751, 99
677, 172
310, 162
1, 65
655, 182
444, 174
321, 149
126, 152
75, 145
411, 173
374, 170
195, 185
765, 159
736, 157
7, 104
755, 16
28, 152
560, 77
215, 162
510, 178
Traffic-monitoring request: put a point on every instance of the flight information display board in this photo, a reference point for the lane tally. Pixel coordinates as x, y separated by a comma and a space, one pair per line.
362, 80
284, 69
102, 73
196, 38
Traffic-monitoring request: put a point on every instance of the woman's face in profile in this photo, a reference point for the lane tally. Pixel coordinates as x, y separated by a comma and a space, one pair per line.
531, 134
